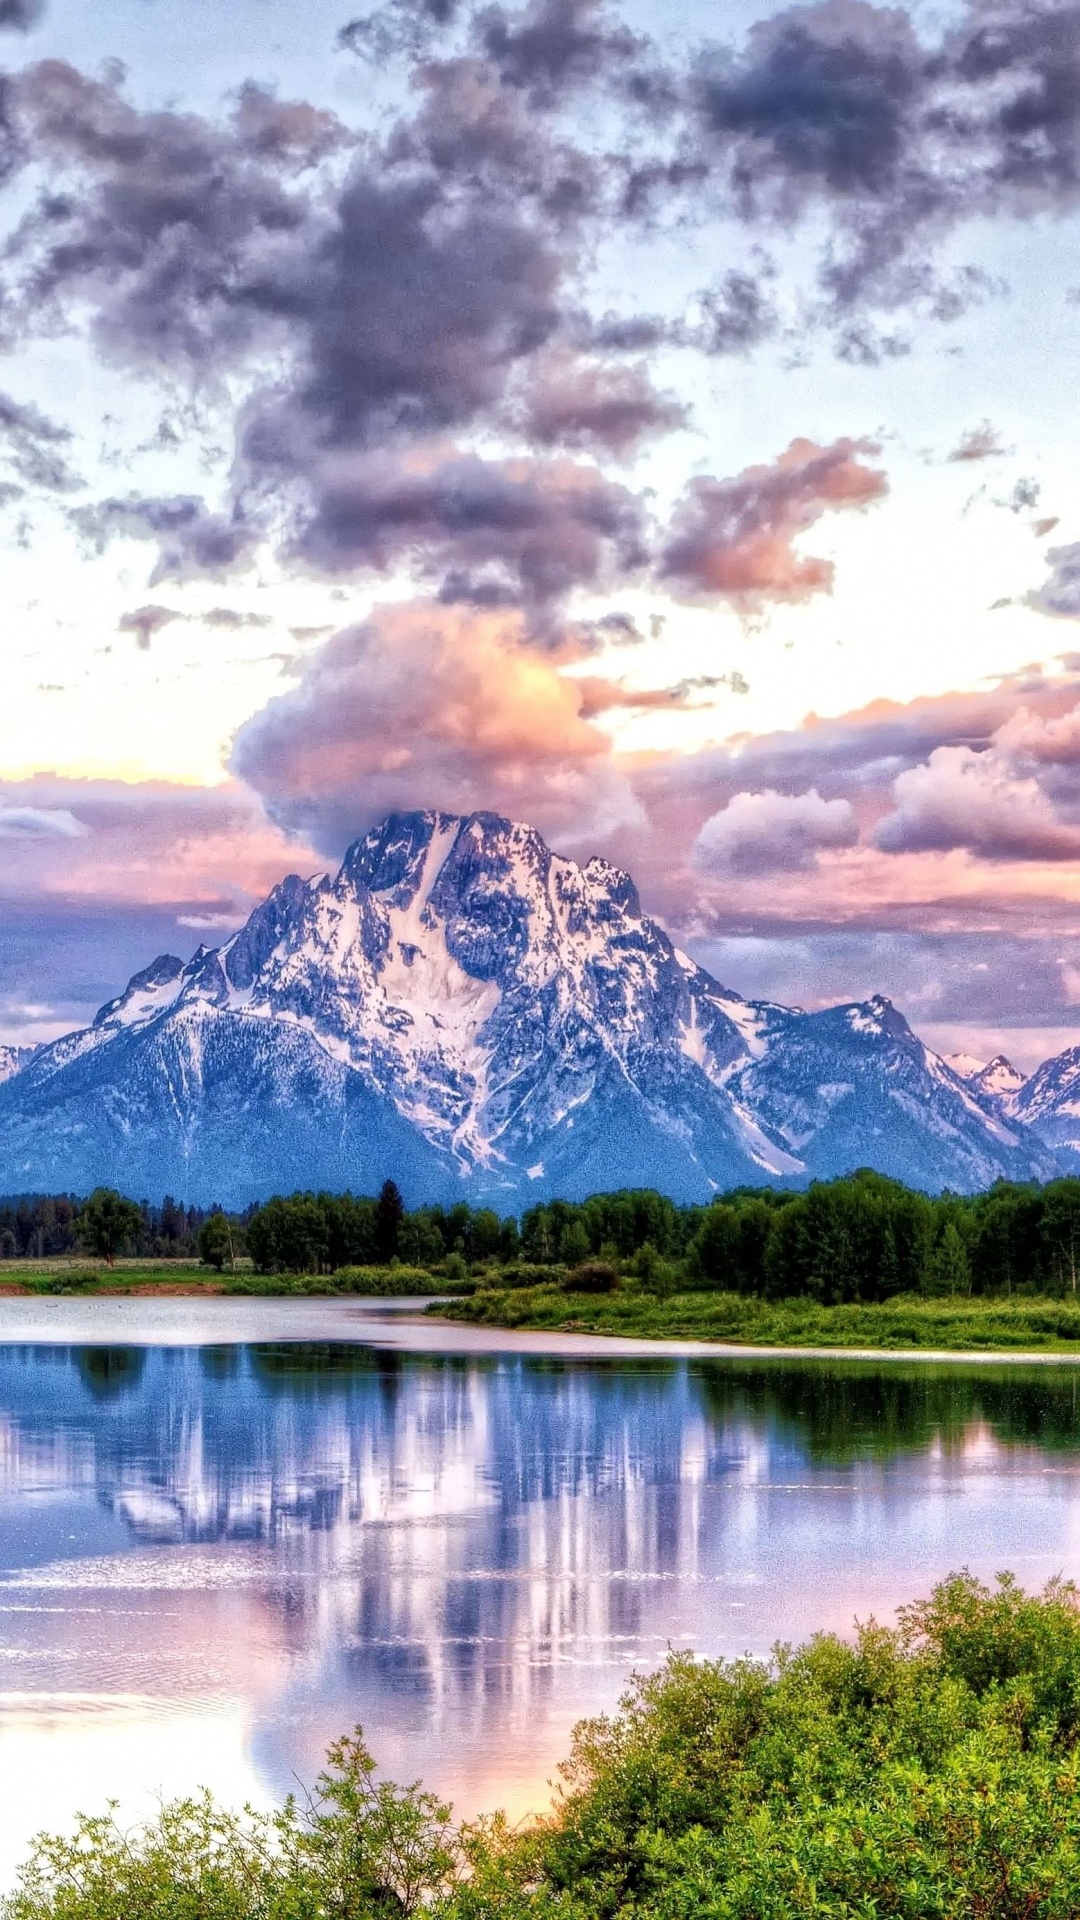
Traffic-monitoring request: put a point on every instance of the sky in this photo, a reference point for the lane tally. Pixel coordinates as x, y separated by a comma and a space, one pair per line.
657, 424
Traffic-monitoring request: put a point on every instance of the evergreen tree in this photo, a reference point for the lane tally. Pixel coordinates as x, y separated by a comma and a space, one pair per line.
389, 1214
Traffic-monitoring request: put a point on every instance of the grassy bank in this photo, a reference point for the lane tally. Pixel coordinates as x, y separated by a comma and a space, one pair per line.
927, 1772
88, 1278
956, 1324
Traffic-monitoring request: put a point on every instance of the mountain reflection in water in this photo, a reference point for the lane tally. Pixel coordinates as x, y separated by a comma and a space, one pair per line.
214, 1560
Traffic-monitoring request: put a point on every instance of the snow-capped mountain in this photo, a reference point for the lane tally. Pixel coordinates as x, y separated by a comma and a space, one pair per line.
998, 1080
1049, 1104
464, 1010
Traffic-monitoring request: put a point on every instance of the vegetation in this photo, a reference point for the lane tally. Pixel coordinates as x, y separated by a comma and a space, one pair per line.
861, 1261
926, 1772
959, 1324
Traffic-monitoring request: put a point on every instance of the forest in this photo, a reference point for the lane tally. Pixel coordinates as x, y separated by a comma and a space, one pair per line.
863, 1238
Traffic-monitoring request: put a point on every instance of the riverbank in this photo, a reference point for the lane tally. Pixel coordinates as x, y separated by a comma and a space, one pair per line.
166, 1278
907, 1324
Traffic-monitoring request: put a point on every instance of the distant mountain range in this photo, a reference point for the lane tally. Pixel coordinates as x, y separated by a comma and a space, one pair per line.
464, 1010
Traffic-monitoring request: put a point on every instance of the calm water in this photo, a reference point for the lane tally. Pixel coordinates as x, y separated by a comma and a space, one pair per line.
216, 1555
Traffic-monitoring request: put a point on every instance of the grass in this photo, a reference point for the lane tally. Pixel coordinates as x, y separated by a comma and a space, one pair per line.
909, 1322
88, 1277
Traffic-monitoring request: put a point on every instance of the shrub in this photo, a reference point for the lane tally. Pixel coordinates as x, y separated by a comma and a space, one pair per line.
591, 1276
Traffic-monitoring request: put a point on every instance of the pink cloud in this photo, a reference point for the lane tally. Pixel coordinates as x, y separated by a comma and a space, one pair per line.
428, 705
735, 539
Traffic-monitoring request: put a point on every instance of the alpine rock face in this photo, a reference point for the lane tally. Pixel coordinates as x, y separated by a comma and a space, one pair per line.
464, 1010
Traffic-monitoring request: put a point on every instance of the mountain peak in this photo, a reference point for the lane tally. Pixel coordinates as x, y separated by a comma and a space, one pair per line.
463, 1009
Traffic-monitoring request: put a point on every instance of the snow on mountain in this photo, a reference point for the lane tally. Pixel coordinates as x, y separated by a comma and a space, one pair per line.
964, 1065
13, 1060
997, 1080
467, 1011
1049, 1104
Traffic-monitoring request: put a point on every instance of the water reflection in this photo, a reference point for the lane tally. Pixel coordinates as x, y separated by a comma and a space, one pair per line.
213, 1560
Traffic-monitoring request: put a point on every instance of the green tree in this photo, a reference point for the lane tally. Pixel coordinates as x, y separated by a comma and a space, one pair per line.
108, 1223
219, 1241
948, 1270
389, 1214
289, 1236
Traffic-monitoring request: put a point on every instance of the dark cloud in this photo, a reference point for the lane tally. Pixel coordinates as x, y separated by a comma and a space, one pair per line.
396, 27
553, 47
578, 403
230, 619
144, 622
842, 106
33, 445
500, 530
180, 232
20, 14
737, 313
192, 542
735, 538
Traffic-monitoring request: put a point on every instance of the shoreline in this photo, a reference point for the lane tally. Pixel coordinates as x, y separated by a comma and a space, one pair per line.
404, 1324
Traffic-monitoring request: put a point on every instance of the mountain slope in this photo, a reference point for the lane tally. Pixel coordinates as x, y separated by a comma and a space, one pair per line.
1049, 1105
467, 1011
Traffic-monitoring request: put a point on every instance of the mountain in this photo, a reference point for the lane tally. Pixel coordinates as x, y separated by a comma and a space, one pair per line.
464, 1010
12, 1060
1049, 1104
998, 1080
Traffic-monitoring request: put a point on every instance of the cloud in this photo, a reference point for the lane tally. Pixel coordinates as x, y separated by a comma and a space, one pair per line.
20, 14
37, 823
1060, 594
737, 313
231, 619
491, 529
841, 108
398, 26
33, 444
428, 705
976, 801
978, 443
554, 47
193, 542
773, 833
86, 906
144, 622
577, 403
179, 232
736, 538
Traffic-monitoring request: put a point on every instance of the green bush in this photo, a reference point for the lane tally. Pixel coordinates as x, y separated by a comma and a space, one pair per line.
926, 1772
592, 1276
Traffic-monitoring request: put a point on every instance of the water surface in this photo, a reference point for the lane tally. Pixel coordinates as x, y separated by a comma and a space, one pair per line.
217, 1553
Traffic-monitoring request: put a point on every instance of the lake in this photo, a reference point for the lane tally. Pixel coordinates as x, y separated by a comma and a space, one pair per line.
231, 1530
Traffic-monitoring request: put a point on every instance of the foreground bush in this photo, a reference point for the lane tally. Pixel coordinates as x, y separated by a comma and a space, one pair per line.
931, 1772
359, 1850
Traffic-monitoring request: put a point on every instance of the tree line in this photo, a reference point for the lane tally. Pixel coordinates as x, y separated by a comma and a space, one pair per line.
43, 1226
860, 1238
